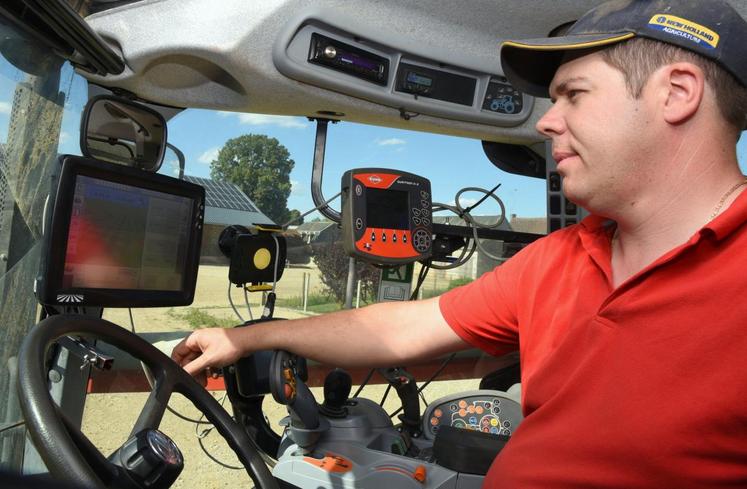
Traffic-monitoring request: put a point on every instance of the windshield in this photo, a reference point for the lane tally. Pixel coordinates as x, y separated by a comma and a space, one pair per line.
41, 99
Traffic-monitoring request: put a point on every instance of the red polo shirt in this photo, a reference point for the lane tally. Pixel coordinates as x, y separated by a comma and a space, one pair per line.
643, 386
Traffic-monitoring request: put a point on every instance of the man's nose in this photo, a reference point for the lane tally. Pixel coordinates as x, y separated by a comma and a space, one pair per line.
552, 123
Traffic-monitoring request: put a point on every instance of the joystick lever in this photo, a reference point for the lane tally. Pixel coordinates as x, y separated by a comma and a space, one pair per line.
407, 390
337, 387
288, 388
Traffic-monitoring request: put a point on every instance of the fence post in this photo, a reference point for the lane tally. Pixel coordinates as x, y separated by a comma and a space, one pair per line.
358, 295
306, 280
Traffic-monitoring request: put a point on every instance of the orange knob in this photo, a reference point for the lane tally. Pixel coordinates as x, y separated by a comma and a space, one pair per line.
419, 474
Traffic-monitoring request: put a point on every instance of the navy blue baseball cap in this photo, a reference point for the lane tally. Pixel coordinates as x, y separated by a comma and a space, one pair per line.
711, 28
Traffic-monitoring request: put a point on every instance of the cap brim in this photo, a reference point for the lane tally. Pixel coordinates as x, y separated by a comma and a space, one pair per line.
530, 65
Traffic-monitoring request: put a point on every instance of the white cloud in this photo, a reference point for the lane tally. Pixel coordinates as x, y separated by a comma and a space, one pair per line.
297, 189
64, 137
209, 156
464, 202
390, 142
5, 107
268, 120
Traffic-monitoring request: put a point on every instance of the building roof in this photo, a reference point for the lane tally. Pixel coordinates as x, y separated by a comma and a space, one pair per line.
536, 225
225, 203
458, 221
314, 226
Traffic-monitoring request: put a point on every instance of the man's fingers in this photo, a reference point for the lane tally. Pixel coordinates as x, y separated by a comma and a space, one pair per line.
197, 366
187, 350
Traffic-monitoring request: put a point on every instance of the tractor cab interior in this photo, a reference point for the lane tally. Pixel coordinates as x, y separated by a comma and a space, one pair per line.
107, 219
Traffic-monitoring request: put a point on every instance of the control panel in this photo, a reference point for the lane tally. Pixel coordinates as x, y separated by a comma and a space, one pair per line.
487, 411
502, 98
386, 216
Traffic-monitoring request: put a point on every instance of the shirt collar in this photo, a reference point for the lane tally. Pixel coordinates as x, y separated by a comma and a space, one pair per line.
730, 219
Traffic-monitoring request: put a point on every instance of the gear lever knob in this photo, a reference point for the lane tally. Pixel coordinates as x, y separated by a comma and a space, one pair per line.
337, 387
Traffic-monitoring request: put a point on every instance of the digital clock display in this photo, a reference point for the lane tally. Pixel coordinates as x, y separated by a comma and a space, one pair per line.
425, 81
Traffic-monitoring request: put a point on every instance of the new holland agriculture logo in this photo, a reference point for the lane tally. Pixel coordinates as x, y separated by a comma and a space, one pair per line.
70, 298
677, 26
374, 179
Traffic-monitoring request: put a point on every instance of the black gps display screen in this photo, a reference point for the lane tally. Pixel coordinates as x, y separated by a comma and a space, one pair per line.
125, 237
387, 209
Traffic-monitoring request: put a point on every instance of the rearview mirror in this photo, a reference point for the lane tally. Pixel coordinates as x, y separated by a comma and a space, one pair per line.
123, 132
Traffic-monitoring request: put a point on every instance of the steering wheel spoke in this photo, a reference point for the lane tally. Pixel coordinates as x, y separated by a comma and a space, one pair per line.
155, 407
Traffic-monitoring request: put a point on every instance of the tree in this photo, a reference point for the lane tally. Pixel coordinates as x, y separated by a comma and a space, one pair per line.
333, 262
260, 166
295, 216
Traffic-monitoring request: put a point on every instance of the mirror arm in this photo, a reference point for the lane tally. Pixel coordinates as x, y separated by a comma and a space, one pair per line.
318, 169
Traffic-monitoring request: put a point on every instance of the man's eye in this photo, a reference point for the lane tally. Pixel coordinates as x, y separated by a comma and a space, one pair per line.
571, 94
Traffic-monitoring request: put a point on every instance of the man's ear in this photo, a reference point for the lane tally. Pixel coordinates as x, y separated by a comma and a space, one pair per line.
684, 85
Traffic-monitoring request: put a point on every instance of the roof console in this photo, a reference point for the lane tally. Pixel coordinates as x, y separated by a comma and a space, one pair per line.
385, 68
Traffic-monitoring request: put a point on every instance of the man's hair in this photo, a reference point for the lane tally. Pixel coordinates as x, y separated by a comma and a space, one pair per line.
638, 58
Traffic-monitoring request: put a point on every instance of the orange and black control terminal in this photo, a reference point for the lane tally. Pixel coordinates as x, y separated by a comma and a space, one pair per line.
386, 216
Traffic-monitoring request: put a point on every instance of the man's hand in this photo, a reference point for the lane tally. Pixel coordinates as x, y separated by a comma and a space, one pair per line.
207, 348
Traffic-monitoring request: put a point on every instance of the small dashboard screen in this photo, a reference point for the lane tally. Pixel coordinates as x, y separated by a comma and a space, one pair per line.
126, 237
387, 209
423, 80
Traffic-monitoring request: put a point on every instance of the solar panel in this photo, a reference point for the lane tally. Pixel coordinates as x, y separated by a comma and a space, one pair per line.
223, 194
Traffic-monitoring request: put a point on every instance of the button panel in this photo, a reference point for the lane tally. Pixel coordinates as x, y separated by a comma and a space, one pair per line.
502, 98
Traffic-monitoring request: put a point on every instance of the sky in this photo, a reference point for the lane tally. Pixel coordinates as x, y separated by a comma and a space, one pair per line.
450, 163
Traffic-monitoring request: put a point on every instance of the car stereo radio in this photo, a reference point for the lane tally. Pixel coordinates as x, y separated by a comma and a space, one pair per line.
348, 59
386, 216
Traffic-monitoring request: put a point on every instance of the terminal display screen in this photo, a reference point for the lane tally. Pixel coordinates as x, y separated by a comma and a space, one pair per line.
120, 237
125, 237
387, 209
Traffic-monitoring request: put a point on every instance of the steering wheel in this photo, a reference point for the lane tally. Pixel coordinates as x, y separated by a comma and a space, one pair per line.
66, 451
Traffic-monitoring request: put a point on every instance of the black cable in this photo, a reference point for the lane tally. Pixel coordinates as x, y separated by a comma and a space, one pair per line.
211, 457
484, 197
365, 382
437, 372
427, 382
423, 398
205, 433
424, 269
386, 393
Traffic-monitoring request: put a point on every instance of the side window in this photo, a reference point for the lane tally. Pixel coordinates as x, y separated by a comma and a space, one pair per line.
40, 101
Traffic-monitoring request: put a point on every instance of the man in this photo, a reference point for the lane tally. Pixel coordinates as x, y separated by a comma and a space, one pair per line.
631, 325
